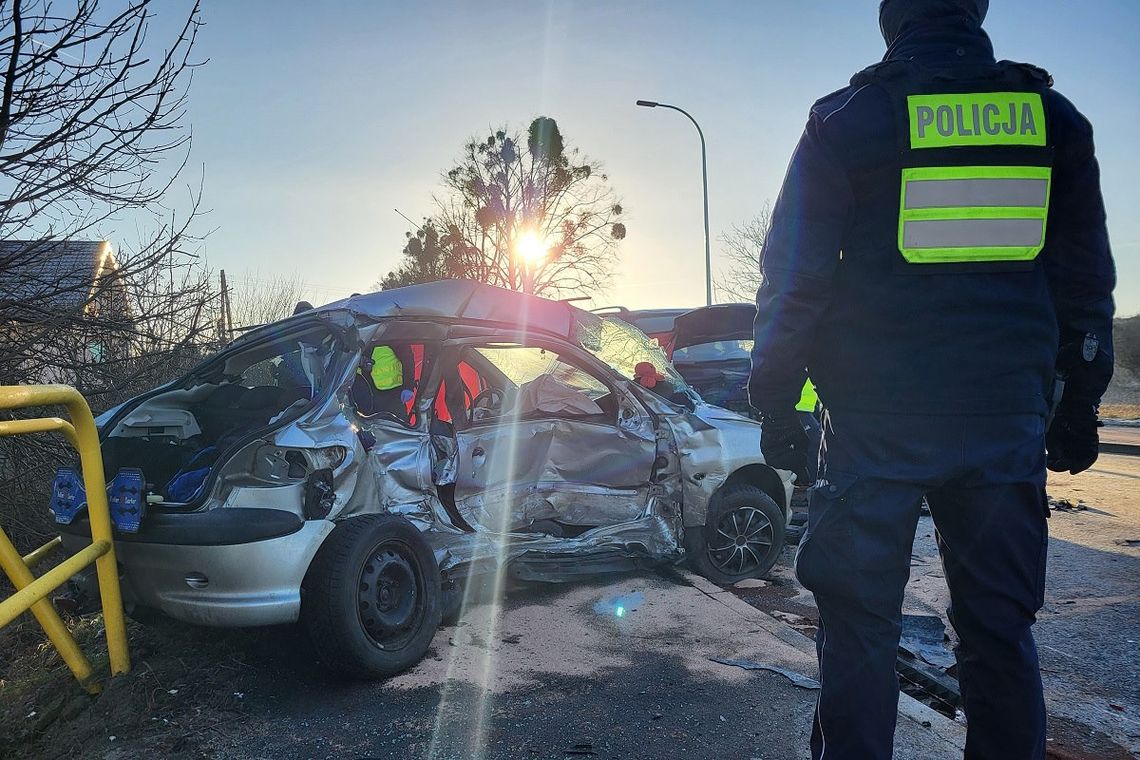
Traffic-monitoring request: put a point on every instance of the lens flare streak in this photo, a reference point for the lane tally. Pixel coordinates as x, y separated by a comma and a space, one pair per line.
461, 722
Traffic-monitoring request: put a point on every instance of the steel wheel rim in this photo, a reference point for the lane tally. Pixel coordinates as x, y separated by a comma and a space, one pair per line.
389, 599
742, 540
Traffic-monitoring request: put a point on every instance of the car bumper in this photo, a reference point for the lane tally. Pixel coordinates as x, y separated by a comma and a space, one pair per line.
242, 584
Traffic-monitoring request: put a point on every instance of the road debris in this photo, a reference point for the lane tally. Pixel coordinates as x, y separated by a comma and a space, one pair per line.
798, 679
1066, 505
752, 583
1127, 542
928, 684
799, 622
925, 636
791, 618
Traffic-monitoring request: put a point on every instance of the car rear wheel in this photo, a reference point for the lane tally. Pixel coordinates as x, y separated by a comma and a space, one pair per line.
742, 537
371, 599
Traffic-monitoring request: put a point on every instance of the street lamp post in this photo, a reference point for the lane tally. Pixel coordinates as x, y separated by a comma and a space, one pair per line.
705, 181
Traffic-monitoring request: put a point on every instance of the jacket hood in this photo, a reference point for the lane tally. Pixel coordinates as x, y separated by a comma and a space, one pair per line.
899, 16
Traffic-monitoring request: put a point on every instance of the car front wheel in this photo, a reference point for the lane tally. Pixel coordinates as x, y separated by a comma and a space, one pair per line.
371, 599
742, 537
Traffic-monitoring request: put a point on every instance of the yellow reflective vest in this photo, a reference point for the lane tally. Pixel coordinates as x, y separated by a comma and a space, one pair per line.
387, 370
808, 398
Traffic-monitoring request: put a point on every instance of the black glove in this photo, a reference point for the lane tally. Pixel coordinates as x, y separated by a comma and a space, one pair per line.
1072, 443
784, 443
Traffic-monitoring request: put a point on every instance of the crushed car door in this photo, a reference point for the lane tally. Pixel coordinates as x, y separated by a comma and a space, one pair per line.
547, 445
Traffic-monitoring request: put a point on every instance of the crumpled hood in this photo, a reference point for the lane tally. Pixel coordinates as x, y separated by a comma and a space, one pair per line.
717, 416
899, 16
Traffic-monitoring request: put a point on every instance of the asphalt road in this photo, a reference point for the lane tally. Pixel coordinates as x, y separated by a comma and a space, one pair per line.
558, 672
1088, 633
1118, 438
1089, 629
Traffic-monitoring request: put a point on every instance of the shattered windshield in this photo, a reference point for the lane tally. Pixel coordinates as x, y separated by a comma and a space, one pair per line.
623, 347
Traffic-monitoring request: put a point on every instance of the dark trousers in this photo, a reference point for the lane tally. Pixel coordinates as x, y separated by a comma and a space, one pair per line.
984, 478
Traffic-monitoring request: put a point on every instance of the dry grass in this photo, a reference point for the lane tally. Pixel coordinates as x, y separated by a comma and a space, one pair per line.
1120, 411
180, 687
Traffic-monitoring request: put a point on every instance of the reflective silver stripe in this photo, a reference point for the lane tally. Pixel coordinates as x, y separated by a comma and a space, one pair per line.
973, 233
951, 193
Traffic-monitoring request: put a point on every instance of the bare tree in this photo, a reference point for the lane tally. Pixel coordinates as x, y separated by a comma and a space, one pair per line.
258, 300
91, 135
89, 107
1126, 337
522, 212
742, 245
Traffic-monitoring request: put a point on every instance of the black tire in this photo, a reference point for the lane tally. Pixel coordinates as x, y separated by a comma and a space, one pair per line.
742, 537
371, 599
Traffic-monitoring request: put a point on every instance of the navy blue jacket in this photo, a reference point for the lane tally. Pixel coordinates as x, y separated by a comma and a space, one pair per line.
836, 302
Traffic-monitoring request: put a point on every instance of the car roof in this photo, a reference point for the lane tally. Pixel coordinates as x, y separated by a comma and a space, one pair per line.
464, 301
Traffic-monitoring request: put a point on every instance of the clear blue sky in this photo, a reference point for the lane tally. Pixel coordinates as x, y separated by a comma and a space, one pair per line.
314, 120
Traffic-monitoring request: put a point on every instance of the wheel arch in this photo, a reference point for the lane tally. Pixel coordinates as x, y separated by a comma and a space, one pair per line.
763, 477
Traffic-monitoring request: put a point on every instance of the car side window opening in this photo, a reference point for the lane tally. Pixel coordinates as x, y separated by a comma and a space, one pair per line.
387, 381
531, 382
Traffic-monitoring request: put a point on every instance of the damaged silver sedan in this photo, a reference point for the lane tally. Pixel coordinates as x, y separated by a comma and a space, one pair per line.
354, 465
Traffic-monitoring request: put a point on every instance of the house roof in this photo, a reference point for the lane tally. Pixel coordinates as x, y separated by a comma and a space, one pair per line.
54, 275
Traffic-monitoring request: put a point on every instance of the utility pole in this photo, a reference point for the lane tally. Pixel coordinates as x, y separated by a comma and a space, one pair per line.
227, 326
705, 181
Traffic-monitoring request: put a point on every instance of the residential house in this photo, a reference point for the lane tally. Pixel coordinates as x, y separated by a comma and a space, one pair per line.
63, 307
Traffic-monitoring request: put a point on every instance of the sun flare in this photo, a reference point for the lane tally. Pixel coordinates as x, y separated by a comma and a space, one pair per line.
531, 247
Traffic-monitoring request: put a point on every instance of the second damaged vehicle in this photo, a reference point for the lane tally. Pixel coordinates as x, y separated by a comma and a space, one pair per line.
352, 465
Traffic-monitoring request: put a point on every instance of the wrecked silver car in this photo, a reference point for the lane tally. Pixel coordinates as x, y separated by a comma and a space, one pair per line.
352, 465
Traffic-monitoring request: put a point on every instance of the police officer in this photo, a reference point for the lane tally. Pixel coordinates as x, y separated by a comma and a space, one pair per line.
937, 259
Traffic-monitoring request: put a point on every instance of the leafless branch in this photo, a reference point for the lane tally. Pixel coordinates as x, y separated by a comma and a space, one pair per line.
739, 276
507, 186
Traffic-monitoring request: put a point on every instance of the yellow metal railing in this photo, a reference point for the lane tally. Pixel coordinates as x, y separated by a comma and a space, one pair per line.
31, 592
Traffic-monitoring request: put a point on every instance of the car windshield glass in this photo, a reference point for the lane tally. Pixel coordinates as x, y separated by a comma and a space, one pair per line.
717, 351
623, 347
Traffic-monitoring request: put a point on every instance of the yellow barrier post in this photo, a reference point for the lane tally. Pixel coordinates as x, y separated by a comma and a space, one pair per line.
31, 592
